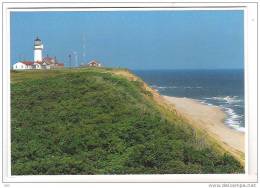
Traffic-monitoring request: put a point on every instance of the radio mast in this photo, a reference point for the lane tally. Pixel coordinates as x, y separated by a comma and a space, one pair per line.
69, 60
83, 48
76, 58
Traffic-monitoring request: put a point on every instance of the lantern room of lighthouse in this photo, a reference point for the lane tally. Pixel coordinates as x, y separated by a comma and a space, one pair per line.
38, 47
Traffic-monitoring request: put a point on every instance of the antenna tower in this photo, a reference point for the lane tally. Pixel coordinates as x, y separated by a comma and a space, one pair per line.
76, 58
83, 48
69, 60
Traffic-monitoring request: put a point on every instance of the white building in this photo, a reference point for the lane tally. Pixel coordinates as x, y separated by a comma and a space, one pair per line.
37, 65
39, 62
23, 65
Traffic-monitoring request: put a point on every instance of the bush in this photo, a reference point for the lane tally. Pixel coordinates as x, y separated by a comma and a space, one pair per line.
89, 121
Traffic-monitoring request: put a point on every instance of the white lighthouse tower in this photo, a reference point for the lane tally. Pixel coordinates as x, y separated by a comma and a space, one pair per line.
38, 47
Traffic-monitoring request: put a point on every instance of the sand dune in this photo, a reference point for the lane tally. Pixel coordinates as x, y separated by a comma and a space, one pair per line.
210, 119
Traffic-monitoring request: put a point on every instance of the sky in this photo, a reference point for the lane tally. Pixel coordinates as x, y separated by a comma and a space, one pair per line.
197, 39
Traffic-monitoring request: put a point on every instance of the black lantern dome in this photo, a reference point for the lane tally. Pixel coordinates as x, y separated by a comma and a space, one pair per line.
37, 42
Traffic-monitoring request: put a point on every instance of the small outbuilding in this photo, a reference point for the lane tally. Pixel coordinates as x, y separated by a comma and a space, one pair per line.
94, 64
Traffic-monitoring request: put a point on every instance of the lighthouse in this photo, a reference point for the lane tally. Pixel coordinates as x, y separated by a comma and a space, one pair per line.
39, 62
38, 47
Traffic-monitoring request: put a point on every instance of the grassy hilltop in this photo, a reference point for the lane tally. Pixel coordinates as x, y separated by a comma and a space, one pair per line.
102, 121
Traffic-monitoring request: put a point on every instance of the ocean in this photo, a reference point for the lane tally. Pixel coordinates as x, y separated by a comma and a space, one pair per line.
222, 88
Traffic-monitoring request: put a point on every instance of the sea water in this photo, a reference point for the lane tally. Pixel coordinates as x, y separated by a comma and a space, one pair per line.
222, 88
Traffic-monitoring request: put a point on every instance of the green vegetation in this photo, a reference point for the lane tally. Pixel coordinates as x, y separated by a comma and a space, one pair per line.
92, 121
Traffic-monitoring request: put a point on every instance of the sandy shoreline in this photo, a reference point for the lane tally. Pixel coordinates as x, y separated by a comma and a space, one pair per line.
211, 120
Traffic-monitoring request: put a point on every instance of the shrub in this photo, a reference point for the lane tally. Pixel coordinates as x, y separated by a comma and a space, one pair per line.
89, 121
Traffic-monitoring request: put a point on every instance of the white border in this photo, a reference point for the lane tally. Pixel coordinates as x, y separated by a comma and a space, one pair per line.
250, 20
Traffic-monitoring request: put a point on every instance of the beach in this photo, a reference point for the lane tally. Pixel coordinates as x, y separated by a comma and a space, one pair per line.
211, 120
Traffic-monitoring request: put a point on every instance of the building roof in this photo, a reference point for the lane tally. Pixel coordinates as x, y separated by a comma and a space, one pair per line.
94, 63
38, 62
27, 62
48, 58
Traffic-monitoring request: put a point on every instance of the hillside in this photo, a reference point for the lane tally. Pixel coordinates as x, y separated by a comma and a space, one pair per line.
103, 121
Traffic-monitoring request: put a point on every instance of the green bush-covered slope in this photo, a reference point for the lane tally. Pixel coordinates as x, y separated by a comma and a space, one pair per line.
91, 121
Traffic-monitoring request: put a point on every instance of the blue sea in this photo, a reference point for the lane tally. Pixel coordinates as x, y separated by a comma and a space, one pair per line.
222, 88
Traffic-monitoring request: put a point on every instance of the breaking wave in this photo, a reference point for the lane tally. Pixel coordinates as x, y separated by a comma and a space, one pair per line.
228, 104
